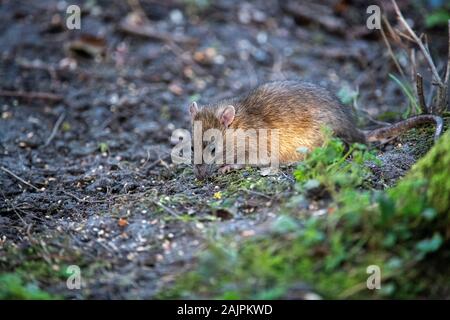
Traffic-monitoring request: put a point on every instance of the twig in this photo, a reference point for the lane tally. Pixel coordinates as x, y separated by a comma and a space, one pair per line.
14, 209
258, 194
83, 200
391, 53
425, 43
402, 35
55, 129
419, 43
154, 163
447, 71
419, 86
146, 160
38, 65
393, 34
412, 58
31, 95
372, 119
19, 178
169, 210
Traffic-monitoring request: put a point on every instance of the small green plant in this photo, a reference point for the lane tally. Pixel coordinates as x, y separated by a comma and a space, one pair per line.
103, 147
334, 166
12, 286
413, 106
439, 16
348, 96
66, 127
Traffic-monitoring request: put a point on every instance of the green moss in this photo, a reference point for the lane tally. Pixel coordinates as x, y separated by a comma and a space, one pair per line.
245, 181
429, 179
27, 272
12, 286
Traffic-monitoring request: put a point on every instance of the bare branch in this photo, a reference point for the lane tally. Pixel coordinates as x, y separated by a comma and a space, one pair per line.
402, 35
31, 95
419, 43
389, 48
425, 43
447, 71
19, 178
55, 129
390, 30
412, 57
419, 86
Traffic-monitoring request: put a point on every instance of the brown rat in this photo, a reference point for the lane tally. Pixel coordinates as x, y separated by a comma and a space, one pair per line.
299, 110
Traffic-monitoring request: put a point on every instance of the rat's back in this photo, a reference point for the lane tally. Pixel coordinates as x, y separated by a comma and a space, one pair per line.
299, 110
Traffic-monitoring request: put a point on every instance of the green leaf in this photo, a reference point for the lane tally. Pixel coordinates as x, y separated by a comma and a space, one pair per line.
430, 245
285, 224
437, 18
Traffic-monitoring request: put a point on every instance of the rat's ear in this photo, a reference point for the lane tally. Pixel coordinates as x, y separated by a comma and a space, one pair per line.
193, 109
227, 116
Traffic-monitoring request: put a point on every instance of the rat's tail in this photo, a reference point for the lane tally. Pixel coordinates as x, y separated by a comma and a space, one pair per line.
400, 127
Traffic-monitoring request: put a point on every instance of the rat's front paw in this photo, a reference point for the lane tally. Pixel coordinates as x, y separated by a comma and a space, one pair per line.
230, 167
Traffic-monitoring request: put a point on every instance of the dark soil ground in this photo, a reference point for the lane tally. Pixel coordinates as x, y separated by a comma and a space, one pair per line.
101, 191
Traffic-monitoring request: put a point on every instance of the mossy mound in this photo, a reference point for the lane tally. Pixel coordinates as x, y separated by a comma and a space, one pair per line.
404, 231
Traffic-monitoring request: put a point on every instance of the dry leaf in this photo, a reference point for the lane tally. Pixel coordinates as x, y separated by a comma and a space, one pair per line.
175, 89
205, 56
88, 46
123, 222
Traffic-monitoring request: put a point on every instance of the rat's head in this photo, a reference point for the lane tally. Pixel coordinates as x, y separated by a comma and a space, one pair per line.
208, 136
